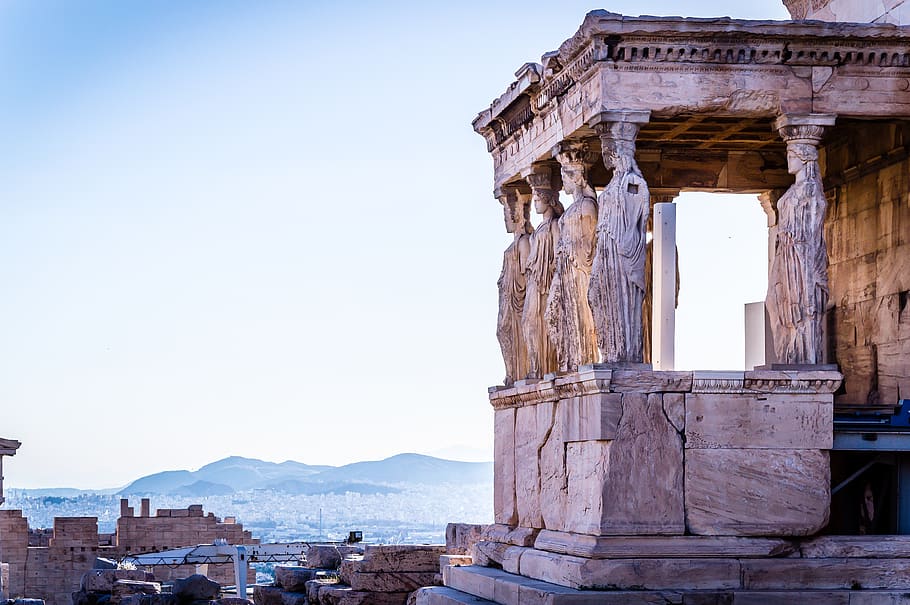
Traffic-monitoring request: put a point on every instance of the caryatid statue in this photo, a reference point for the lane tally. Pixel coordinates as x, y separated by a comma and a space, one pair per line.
540, 269
512, 285
568, 315
617, 288
798, 278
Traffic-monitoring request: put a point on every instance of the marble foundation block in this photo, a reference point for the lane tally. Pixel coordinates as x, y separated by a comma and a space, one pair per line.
504, 506
630, 484
757, 492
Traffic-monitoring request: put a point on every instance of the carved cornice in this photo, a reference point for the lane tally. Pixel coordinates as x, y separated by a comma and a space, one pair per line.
667, 44
793, 381
718, 382
594, 380
562, 80
523, 394
563, 387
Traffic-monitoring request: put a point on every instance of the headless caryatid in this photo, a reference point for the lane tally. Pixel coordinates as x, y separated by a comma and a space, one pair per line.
512, 286
568, 315
540, 269
798, 279
618, 274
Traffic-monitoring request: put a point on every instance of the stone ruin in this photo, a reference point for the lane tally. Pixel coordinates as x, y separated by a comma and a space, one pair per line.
351, 575
51, 565
139, 587
617, 478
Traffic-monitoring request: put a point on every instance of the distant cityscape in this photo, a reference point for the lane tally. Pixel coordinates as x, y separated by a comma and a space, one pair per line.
387, 512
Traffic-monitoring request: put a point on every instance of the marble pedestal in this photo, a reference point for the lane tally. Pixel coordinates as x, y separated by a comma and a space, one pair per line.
620, 451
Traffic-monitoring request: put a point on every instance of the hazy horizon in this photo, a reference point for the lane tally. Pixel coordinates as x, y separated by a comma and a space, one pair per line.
268, 230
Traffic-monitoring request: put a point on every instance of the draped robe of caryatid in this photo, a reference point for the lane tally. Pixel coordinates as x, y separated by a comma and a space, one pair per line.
512, 288
568, 315
540, 269
617, 287
798, 279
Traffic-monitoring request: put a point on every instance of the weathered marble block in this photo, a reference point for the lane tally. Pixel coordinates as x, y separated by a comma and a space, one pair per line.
504, 509
757, 492
761, 420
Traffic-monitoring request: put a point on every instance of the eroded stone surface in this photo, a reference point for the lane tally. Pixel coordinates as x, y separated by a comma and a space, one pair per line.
410, 557
644, 483
532, 428
504, 504
755, 492
759, 421
293, 577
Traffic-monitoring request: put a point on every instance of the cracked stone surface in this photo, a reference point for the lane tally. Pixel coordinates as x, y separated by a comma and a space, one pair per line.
629, 484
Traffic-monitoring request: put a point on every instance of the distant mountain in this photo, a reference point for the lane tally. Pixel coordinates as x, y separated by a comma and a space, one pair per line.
160, 483
313, 488
380, 476
51, 492
234, 473
203, 488
412, 468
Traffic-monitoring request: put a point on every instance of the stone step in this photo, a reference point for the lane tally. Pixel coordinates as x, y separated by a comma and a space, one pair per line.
503, 588
489, 585
440, 595
788, 573
449, 596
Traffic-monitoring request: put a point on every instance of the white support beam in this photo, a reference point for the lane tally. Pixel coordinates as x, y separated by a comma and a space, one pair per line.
663, 310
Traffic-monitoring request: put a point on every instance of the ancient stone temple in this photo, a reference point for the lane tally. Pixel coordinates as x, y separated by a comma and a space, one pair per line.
649, 485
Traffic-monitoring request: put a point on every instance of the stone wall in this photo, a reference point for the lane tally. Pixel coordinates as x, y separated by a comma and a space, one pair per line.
176, 528
53, 572
14, 548
867, 231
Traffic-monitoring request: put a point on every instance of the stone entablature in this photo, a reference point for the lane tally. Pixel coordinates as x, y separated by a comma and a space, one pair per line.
629, 451
674, 66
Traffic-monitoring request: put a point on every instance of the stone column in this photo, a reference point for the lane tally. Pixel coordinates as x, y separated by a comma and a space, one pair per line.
543, 177
512, 284
658, 196
798, 276
568, 314
663, 317
617, 289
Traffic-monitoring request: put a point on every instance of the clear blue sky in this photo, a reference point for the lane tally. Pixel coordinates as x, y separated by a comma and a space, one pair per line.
267, 229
